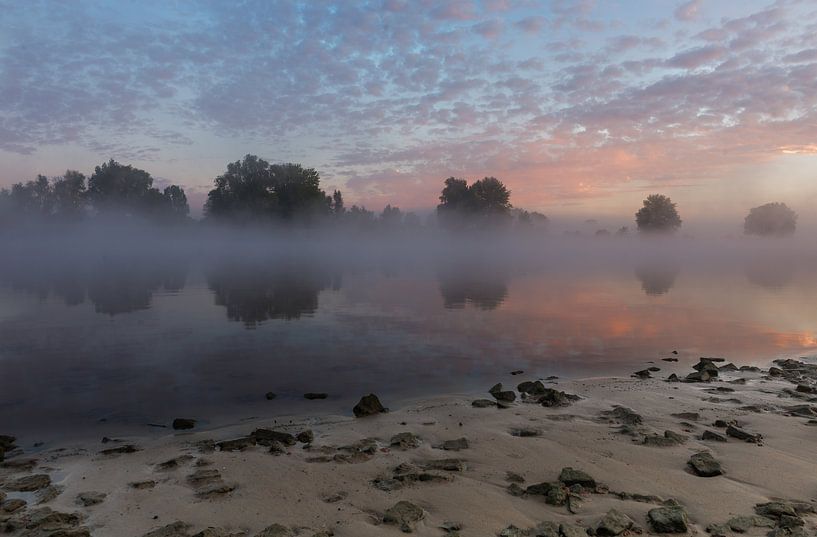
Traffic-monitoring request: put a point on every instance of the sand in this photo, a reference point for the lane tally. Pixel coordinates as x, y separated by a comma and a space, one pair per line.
339, 498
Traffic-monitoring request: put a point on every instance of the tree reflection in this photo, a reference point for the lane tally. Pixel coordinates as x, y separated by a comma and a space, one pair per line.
657, 278
484, 288
259, 291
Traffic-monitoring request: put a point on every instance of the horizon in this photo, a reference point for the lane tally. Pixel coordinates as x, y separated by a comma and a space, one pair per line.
574, 108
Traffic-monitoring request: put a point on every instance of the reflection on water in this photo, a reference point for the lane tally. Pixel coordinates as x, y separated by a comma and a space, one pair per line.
657, 277
132, 341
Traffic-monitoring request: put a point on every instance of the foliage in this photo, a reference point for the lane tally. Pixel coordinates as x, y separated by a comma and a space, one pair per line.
254, 188
658, 215
486, 201
771, 219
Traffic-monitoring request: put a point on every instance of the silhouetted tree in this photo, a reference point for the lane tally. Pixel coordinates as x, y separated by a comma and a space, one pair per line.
337, 203
530, 218
486, 201
254, 188
771, 219
69, 195
658, 215
391, 216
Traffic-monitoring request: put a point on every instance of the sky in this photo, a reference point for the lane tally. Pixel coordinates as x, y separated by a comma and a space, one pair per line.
581, 107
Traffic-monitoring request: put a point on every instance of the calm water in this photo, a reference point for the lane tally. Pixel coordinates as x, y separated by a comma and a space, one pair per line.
114, 342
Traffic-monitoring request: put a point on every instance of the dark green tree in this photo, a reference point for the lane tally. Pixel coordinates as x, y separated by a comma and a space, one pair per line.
658, 215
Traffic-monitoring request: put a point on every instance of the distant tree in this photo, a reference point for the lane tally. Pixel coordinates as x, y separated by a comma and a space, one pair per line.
622, 231
771, 219
658, 215
337, 203
178, 201
530, 218
360, 217
485, 201
391, 216
70, 195
254, 188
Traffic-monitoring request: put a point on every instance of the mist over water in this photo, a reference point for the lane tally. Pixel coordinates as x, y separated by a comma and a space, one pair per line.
106, 328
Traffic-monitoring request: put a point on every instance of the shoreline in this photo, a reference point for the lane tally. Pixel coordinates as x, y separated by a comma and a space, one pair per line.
348, 476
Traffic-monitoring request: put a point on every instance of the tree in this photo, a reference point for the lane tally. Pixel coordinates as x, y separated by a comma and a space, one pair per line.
490, 196
254, 188
70, 195
658, 215
337, 203
771, 219
486, 201
391, 216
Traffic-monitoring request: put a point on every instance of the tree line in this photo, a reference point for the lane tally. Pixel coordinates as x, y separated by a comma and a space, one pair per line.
254, 190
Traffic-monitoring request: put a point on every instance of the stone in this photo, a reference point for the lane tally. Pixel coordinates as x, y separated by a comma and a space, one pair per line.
277, 448
740, 434
405, 515
669, 439
405, 441
368, 405
447, 465
305, 437
668, 520
275, 530
513, 531
29, 483
175, 529
554, 493
265, 437
556, 398
704, 465
643, 374
270, 396
775, 509
531, 387
172, 464
526, 432
613, 523
120, 450
8, 507
545, 529
315, 395
572, 530
87, 499
570, 477
623, 415
236, 444
505, 396
515, 490
483, 403
742, 524
690, 416
142, 485
713, 436
183, 423
775, 372
700, 376
455, 445
513, 477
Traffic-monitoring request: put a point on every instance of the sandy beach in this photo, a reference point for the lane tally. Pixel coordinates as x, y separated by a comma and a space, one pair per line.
463, 469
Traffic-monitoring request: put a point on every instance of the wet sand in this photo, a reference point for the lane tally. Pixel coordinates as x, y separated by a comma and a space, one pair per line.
345, 479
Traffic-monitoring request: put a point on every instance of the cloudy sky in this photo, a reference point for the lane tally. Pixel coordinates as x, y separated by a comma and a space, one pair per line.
582, 107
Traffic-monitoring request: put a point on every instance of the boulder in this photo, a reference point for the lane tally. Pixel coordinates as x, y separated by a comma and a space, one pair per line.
554, 493
265, 437
405, 515
670, 519
556, 398
305, 437
531, 387
368, 405
613, 523
570, 476
704, 465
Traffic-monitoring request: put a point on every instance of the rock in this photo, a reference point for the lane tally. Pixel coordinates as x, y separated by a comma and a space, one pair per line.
554, 493
448, 465
653, 369
713, 436
531, 387
516, 372
368, 405
742, 524
29, 483
740, 434
803, 388
127, 448
8, 507
405, 441
217, 532
236, 444
20, 464
174, 463
216, 490
669, 359
183, 423
404, 515
265, 437
142, 485
570, 477
669, 439
643, 374
749, 368
513, 531
87, 499
572, 530
483, 403
556, 398
704, 465
305, 437
775, 372
500, 395
613, 523
515, 490
513, 477
176, 529
668, 520
270, 396
691, 416
277, 448
623, 415
728, 367
275, 530
455, 445
673, 378
204, 476
775, 509
700, 376
526, 432
315, 395
545, 529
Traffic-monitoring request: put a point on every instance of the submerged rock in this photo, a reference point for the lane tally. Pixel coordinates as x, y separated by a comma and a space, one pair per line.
704, 465
368, 405
404, 515
671, 519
